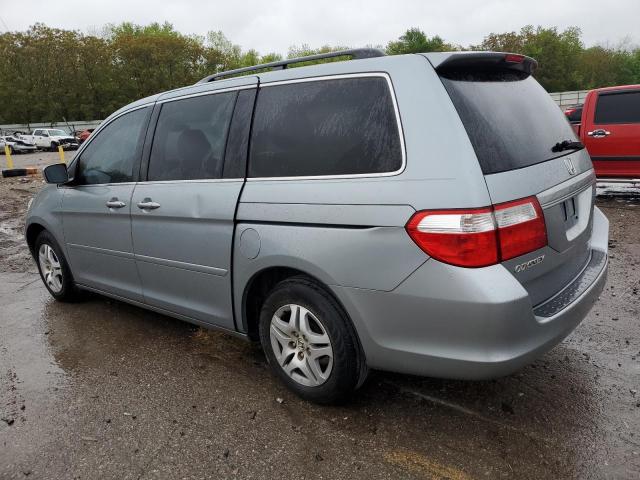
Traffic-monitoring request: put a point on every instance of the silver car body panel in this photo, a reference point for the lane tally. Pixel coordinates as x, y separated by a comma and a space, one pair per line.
98, 238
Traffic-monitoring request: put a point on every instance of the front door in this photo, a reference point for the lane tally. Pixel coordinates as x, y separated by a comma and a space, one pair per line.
613, 141
183, 215
97, 207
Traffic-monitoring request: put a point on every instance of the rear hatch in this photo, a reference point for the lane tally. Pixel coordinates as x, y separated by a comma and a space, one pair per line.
517, 132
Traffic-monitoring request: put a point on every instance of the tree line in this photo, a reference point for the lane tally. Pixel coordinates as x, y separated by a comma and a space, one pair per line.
49, 74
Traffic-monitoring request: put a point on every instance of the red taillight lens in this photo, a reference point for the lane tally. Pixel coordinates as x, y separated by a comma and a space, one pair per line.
460, 237
481, 236
521, 227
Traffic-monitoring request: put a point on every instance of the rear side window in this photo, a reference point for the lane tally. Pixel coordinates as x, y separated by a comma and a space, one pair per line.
115, 151
327, 127
511, 120
618, 107
190, 138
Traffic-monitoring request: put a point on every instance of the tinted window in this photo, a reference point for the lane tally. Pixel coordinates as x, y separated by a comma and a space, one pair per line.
190, 138
574, 114
114, 151
511, 120
328, 127
619, 107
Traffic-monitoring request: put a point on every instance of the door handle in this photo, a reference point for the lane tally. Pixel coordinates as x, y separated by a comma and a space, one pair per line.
115, 203
599, 133
148, 204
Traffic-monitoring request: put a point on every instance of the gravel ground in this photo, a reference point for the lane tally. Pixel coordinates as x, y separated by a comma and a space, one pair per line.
102, 389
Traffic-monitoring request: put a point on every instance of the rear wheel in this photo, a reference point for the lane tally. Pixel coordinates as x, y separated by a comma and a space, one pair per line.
309, 342
54, 269
54, 146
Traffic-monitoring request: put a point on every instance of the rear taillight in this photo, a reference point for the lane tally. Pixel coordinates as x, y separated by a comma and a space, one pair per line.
481, 236
521, 227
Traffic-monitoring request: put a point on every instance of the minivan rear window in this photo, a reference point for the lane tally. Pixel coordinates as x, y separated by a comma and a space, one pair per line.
325, 127
618, 107
511, 120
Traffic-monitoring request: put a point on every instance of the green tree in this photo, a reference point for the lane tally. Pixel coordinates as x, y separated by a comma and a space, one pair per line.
601, 66
47, 74
557, 53
415, 40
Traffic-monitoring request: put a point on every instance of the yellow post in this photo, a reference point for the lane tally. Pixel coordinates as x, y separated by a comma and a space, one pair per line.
61, 153
7, 153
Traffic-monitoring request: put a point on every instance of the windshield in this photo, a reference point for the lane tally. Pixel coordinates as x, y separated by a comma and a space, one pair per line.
58, 133
511, 120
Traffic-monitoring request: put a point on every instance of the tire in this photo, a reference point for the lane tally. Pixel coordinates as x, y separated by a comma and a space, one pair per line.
325, 379
58, 280
54, 146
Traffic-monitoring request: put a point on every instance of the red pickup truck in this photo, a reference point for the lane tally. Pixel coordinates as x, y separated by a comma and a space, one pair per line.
610, 129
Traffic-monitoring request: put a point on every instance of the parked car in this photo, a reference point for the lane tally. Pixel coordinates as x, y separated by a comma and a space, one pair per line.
84, 135
16, 145
392, 212
574, 116
51, 138
610, 129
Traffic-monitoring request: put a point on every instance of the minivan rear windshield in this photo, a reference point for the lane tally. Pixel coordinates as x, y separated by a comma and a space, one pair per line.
511, 120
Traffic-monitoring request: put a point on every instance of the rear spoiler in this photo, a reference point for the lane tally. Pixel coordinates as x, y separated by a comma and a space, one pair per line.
448, 61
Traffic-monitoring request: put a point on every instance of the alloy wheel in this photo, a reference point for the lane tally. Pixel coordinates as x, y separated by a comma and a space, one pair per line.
301, 345
50, 268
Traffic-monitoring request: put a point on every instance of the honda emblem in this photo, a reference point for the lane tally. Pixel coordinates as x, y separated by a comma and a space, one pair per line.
570, 167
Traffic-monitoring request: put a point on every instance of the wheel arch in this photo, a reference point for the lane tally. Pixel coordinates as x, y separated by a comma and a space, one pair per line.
32, 231
263, 281
259, 286
256, 291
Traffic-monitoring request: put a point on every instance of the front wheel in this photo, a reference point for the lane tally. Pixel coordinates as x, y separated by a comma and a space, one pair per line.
54, 269
309, 341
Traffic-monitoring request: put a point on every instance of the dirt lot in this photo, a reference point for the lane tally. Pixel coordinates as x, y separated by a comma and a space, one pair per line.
101, 389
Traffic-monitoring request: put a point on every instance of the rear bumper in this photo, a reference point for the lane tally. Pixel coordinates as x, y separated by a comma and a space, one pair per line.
451, 322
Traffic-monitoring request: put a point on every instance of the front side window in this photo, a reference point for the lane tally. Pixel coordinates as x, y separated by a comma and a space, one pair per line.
114, 152
329, 127
618, 107
190, 138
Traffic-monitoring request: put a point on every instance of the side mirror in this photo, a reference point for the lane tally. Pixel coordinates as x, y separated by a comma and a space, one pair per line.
56, 173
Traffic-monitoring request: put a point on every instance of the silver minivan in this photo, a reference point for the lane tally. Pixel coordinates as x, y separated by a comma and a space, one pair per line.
431, 214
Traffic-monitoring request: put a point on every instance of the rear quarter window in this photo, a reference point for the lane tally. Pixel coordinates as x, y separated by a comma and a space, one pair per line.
618, 107
340, 126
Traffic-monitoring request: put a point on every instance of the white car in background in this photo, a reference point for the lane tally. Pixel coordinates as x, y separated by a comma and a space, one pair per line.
51, 138
16, 145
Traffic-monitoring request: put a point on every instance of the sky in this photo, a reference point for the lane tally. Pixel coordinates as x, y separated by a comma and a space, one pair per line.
275, 25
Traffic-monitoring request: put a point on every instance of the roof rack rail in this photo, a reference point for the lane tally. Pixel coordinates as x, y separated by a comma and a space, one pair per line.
355, 54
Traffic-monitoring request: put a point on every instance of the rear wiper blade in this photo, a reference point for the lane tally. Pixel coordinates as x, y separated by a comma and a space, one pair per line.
567, 145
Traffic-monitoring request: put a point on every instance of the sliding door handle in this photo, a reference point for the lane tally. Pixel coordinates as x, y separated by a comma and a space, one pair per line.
148, 204
115, 203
